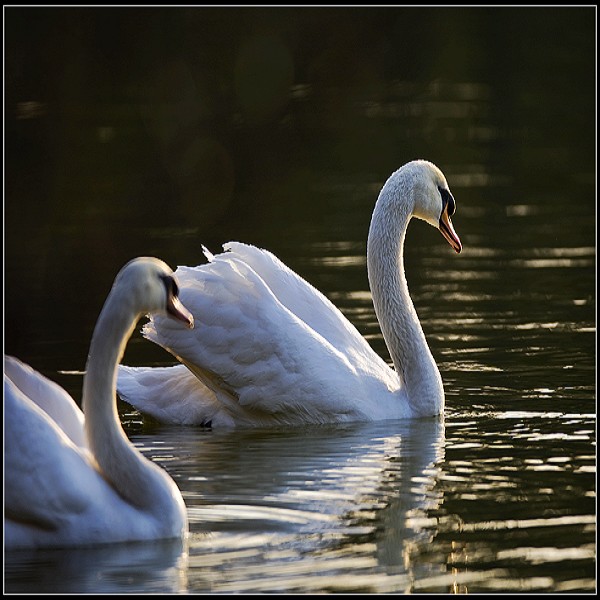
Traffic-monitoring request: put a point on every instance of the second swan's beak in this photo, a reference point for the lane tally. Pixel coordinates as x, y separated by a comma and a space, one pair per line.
179, 311
447, 230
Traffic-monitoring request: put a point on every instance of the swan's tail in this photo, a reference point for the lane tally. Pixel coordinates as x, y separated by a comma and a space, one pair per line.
171, 395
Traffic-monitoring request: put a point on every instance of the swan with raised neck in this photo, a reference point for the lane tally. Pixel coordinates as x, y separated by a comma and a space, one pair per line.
74, 478
417, 189
276, 351
135, 292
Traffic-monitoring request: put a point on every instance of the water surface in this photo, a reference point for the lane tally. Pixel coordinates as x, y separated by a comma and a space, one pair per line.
117, 148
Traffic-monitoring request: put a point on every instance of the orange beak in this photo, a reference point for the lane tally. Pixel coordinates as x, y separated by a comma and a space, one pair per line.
448, 232
178, 311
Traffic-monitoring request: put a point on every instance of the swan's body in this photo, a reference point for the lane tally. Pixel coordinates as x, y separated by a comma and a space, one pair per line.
70, 480
274, 350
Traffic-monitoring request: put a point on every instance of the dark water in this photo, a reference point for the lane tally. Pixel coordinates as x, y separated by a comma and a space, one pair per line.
147, 131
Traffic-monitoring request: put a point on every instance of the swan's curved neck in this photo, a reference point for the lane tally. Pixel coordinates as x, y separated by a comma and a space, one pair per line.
395, 311
134, 477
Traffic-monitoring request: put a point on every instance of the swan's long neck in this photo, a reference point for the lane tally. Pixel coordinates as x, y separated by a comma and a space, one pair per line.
139, 481
395, 311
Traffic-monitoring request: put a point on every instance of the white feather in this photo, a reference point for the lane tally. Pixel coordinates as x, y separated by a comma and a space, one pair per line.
70, 480
271, 349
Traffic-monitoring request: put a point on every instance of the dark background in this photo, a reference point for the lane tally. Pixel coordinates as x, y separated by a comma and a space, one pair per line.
154, 130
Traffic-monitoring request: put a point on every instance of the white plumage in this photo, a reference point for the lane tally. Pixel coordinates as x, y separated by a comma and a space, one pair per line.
270, 349
70, 480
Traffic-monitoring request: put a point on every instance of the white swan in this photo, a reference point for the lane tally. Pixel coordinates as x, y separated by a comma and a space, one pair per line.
70, 480
274, 350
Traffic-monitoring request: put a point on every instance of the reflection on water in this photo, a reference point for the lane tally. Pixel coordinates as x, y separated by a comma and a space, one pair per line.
482, 504
158, 568
524, 492
318, 501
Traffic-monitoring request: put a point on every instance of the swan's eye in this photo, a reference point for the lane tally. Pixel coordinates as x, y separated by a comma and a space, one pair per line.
174, 288
447, 199
170, 285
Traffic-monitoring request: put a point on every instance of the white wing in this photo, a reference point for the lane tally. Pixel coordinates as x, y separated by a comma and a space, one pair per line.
47, 478
306, 302
169, 394
49, 396
268, 345
54, 495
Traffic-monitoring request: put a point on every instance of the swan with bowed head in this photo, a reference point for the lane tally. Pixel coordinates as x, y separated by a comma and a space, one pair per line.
272, 350
73, 478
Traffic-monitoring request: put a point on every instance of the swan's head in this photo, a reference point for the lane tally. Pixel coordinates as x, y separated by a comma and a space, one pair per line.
151, 287
434, 202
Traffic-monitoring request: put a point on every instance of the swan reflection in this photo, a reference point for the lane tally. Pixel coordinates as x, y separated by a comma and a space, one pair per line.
298, 505
156, 567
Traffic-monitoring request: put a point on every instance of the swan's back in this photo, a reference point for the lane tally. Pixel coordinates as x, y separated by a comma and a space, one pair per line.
53, 494
302, 299
49, 396
310, 306
270, 343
